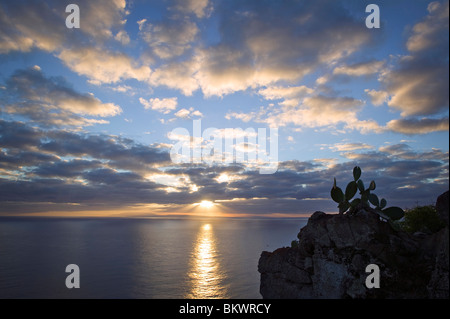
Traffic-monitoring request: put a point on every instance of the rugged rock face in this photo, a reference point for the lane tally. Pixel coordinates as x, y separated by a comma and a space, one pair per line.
438, 286
334, 251
442, 206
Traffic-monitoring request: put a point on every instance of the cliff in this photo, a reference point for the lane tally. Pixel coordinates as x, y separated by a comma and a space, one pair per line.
334, 250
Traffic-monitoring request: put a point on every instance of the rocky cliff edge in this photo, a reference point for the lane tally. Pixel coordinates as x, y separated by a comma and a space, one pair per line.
334, 250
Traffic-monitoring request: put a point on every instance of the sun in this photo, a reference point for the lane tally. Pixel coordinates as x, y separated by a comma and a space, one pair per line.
206, 204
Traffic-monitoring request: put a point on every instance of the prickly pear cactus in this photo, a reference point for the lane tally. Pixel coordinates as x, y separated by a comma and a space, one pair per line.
345, 202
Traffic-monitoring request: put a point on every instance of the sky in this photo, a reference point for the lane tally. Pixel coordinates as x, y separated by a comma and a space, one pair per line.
138, 112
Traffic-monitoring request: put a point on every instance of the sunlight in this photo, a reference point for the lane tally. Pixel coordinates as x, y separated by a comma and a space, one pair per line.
206, 275
210, 208
206, 204
223, 178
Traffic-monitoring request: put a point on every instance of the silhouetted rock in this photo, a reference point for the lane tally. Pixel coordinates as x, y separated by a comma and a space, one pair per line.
334, 251
439, 282
442, 207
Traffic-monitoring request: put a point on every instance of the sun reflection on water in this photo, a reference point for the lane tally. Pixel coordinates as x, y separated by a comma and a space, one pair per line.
205, 274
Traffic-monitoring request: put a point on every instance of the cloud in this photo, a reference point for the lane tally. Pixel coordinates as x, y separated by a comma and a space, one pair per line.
83, 50
13, 159
431, 31
270, 50
102, 66
165, 105
57, 166
344, 72
314, 111
337, 109
58, 153
290, 92
377, 97
405, 152
262, 45
64, 168
413, 126
301, 118
170, 38
418, 84
177, 75
344, 147
18, 135
119, 152
395, 149
200, 8
188, 113
418, 87
54, 169
360, 69
19, 31
239, 60
100, 17
290, 96
52, 101
123, 37
244, 117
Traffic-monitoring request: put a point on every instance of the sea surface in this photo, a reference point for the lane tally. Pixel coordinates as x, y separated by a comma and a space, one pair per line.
137, 258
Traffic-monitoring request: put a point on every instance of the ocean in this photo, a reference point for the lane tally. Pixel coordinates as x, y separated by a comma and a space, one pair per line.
138, 258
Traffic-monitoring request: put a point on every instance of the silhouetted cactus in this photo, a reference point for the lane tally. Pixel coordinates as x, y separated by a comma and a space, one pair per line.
345, 202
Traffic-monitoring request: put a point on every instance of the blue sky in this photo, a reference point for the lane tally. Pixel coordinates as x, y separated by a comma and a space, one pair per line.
86, 114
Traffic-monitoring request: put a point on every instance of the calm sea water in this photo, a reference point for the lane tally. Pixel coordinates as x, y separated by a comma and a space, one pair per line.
137, 258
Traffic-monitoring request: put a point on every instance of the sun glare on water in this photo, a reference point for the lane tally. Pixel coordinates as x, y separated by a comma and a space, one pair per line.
206, 274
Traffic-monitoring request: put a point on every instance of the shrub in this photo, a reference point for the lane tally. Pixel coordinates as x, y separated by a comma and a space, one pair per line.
422, 218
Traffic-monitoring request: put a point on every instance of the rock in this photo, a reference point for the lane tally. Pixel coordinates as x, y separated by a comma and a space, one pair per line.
442, 207
280, 277
438, 286
334, 251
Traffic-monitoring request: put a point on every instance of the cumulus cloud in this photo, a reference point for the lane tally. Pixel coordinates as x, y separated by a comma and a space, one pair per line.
419, 87
123, 37
377, 97
244, 117
360, 69
200, 8
18, 31
406, 152
82, 50
170, 38
101, 66
188, 113
290, 92
314, 111
338, 109
261, 45
165, 105
345, 147
99, 18
177, 75
413, 126
52, 101
431, 31
418, 84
